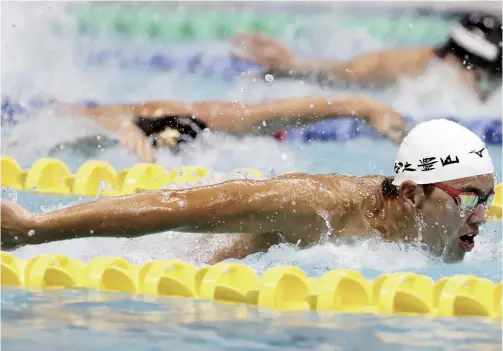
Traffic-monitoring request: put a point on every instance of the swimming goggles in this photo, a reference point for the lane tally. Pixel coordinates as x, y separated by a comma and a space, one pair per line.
466, 200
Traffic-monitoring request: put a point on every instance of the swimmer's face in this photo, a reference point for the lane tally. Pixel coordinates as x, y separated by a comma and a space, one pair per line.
448, 230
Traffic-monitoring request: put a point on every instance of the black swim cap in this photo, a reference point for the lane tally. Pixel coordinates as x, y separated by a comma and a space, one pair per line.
476, 41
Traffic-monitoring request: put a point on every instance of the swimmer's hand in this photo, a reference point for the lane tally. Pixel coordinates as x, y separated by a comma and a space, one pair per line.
387, 122
131, 137
263, 50
15, 223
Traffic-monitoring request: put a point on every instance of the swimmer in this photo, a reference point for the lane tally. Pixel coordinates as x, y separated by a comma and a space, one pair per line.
143, 127
473, 48
442, 184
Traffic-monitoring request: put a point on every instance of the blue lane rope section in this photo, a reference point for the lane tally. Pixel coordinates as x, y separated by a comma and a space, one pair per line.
226, 67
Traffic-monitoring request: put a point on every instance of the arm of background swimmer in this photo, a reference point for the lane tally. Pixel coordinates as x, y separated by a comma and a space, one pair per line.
308, 110
240, 206
379, 68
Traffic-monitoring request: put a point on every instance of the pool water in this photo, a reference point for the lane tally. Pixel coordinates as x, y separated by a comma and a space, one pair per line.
38, 62
87, 321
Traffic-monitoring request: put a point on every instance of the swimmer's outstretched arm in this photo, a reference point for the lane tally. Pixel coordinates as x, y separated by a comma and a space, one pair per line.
302, 111
378, 68
284, 204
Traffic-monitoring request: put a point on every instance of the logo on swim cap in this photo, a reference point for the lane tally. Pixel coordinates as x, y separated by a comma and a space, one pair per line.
440, 150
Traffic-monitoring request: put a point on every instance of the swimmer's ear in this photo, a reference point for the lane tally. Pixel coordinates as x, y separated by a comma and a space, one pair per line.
410, 196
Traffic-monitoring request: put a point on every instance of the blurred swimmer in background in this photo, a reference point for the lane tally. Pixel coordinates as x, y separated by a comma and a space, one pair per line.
473, 49
143, 127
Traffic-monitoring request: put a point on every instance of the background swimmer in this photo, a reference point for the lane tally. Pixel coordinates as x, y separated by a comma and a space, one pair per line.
442, 185
473, 49
168, 123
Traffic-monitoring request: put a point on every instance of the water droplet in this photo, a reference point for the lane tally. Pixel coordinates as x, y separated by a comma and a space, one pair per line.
269, 78
264, 123
15, 238
327, 218
31, 232
370, 215
91, 231
329, 101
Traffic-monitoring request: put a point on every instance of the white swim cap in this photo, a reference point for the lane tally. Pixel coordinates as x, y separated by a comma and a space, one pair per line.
440, 150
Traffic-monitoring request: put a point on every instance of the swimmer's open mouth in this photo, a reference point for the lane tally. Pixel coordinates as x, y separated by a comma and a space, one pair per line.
466, 241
